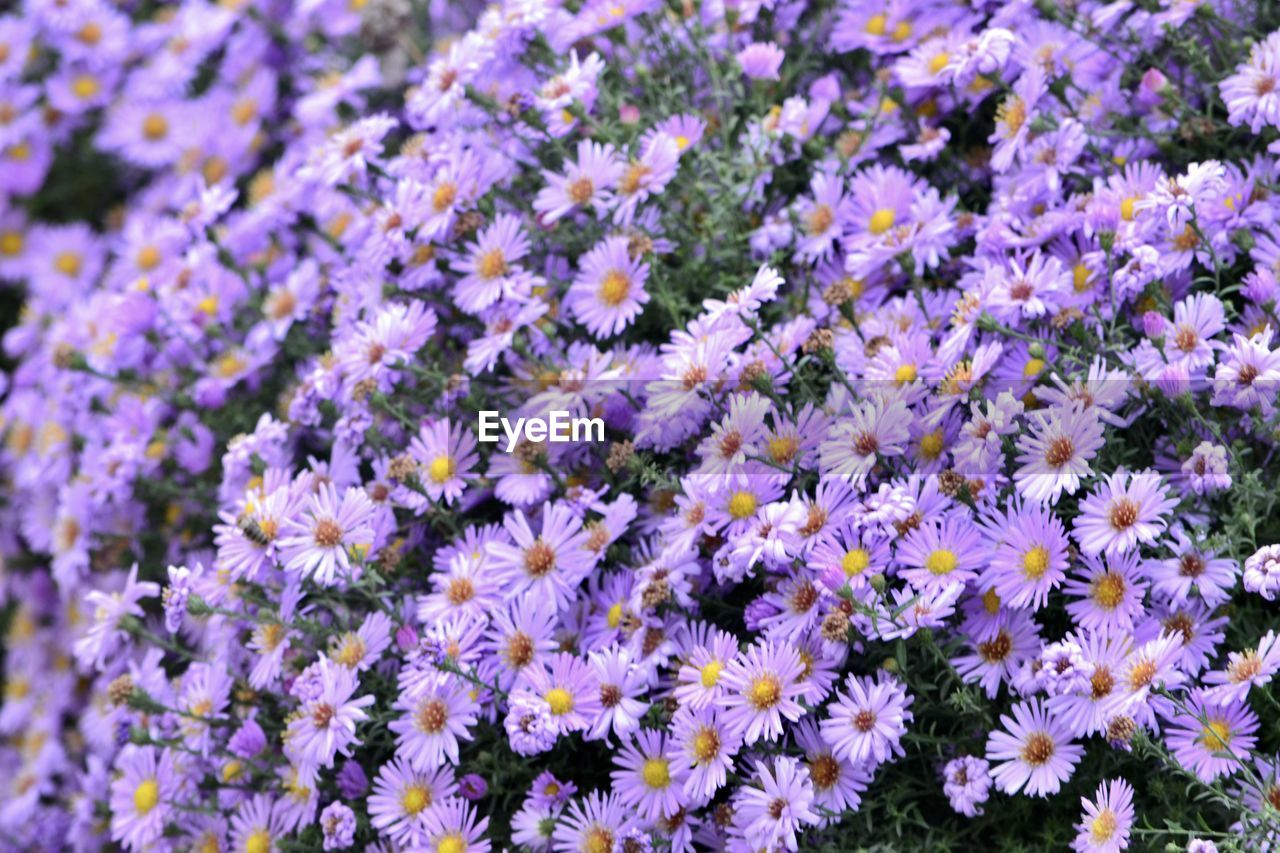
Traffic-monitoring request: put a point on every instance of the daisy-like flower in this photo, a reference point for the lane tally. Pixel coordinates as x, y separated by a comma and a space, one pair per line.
331, 534
995, 659
608, 293
1252, 94
1030, 557
1262, 572
403, 798
1208, 739
1212, 577
326, 724
1015, 116
772, 814
1109, 593
490, 265
595, 822
105, 636
867, 720
567, 687
435, 716
941, 552
1207, 469
698, 680
586, 184
967, 784
873, 429
142, 795
1250, 668
1125, 509
452, 826
1055, 454
761, 60
706, 748
1105, 823
1034, 750
837, 783
650, 775
761, 687
445, 453
550, 564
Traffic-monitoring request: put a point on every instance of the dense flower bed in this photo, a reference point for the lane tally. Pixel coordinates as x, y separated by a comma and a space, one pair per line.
934, 345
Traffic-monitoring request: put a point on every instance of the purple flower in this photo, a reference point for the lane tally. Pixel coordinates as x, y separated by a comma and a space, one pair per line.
338, 823
761, 60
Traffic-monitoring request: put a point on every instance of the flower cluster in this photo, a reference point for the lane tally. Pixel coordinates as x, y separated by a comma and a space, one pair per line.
933, 350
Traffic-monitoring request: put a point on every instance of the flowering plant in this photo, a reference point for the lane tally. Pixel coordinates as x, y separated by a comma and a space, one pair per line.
932, 350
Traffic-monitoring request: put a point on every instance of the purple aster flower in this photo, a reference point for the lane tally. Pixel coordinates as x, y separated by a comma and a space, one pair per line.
1252, 94
586, 184
608, 293
435, 715
105, 636
1262, 572
1126, 509
326, 725
773, 813
1252, 667
761, 687
332, 533
352, 782
143, 795
761, 60
338, 823
1208, 739
403, 800
967, 784
867, 720
1105, 823
1109, 593
651, 775
1034, 749
1055, 454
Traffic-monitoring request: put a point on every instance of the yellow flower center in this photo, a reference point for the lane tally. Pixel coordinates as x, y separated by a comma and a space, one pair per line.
1080, 278
492, 264
155, 127
1127, 209
68, 263
560, 701
881, 221
1108, 591
1103, 826
941, 562
902, 31
259, 842
855, 562
615, 615
146, 796
939, 62
711, 673
742, 505
905, 373
1035, 562
11, 243
85, 86
415, 799
1033, 367
931, 445
451, 844
765, 692
877, 25
1215, 736
441, 469
614, 288
656, 773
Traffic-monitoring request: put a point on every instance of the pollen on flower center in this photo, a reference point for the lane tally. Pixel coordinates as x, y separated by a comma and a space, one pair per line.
824, 771
1038, 749
1123, 514
742, 505
1215, 736
155, 127
881, 221
941, 561
432, 716
855, 562
443, 197
258, 842
706, 745
441, 469
656, 773
819, 220
905, 373
615, 287
492, 264
765, 692
460, 591
939, 62
327, 533
1245, 668
415, 798
710, 674
864, 720
997, 648
1059, 452
1012, 113
931, 444
559, 700
581, 190
1108, 591
146, 796
1103, 826
539, 558
1035, 562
